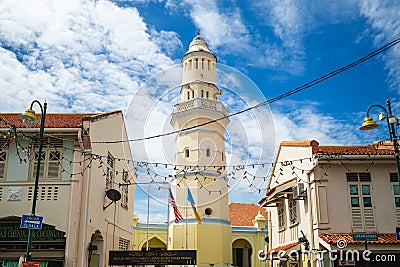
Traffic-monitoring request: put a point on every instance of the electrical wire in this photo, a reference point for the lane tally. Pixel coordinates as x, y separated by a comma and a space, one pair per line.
284, 95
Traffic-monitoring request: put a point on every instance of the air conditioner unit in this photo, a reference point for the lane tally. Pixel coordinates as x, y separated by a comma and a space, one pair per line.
299, 191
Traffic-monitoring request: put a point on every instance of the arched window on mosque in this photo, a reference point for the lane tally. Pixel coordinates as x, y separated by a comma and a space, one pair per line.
186, 153
208, 152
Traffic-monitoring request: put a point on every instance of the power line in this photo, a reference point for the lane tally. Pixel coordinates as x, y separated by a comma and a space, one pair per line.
284, 95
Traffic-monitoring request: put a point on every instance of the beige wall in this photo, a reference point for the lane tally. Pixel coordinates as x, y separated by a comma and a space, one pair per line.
90, 211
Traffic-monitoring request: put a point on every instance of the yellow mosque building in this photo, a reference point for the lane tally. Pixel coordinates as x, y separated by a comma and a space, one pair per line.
223, 234
249, 235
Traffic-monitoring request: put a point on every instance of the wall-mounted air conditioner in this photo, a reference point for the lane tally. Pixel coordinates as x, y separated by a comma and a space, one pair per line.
299, 191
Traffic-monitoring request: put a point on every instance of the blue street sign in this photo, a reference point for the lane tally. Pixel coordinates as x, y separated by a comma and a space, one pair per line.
31, 222
397, 233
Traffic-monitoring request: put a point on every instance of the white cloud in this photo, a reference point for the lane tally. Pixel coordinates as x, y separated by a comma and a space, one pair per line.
81, 56
383, 20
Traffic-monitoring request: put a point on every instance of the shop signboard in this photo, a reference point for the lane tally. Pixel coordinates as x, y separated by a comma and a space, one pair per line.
13, 232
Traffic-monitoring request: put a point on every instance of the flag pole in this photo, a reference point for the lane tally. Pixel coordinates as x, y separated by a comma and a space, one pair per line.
148, 216
186, 192
168, 188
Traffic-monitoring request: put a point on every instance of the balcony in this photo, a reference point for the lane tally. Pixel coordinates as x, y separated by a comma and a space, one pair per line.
201, 103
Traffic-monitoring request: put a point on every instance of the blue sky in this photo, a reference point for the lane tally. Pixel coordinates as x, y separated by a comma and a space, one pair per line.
89, 56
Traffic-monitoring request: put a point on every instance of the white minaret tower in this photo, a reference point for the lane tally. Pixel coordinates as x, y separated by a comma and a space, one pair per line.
199, 154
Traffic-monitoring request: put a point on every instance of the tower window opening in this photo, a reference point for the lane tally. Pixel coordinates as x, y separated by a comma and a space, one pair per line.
186, 153
202, 93
190, 65
192, 94
196, 63
207, 94
208, 64
202, 63
208, 152
222, 155
188, 95
208, 211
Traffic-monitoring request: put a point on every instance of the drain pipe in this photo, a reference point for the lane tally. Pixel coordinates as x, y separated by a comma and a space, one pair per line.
311, 214
83, 244
71, 216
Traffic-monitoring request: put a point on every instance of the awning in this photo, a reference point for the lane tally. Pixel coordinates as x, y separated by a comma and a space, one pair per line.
276, 192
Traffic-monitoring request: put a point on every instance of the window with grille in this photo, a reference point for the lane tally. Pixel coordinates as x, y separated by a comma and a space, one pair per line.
396, 193
360, 192
124, 189
110, 171
123, 244
3, 164
292, 211
281, 217
50, 167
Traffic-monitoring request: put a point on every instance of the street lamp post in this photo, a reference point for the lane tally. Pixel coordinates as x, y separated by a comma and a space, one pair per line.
29, 117
370, 124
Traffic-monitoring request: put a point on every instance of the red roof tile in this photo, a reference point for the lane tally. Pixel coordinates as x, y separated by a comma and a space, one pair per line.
354, 150
53, 120
284, 247
382, 239
241, 214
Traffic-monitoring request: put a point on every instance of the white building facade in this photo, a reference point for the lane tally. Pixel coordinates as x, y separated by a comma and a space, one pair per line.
77, 168
198, 150
330, 200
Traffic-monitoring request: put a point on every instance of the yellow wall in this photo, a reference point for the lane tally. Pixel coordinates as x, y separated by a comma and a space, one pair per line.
209, 238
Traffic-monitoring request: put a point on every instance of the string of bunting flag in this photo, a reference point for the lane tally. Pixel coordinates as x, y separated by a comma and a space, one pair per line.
24, 145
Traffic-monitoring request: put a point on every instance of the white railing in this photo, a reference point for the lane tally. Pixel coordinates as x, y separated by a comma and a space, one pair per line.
201, 103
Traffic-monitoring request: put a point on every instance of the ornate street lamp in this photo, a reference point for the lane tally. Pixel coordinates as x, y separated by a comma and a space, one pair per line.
370, 124
29, 117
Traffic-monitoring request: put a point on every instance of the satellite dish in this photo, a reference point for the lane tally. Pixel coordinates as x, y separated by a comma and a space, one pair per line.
113, 195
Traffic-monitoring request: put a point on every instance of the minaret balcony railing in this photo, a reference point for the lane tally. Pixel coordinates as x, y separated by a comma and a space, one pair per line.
200, 103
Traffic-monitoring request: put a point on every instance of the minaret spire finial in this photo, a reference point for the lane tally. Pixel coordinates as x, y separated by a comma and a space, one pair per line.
198, 31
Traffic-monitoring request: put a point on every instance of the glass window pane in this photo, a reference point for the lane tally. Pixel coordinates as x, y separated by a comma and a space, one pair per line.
366, 190
396, 189
42, 157
355, 202
397, 201
367, 202
55, 155
353, 190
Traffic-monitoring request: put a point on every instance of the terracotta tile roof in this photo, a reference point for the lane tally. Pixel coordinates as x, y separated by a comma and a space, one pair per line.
284, 247
241, 214
382, 239
54, 120
354, 150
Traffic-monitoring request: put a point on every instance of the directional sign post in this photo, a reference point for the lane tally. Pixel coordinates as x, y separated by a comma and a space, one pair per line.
31, 222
